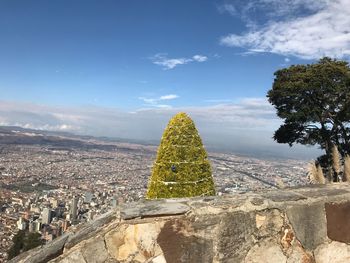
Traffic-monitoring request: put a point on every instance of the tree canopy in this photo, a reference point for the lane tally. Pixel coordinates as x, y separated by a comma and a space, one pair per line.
314, 102
24, 241
181, 168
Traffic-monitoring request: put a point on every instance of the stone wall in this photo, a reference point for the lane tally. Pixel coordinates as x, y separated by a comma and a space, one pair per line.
307, 224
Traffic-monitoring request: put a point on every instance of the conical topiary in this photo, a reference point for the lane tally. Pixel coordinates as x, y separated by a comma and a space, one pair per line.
181, 168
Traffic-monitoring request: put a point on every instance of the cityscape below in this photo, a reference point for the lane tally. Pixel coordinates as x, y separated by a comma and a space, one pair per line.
228, 105
52, 182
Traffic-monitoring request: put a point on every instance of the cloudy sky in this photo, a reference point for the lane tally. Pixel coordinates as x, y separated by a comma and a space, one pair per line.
123, 68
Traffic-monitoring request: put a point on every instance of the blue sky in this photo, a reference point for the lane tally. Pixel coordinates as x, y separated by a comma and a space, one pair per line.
103, 53
134, 60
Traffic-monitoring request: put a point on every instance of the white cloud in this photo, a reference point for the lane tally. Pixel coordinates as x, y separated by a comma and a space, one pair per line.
243, 114
172, 63
229, 8
46, 127
218, 101
254, 11
161, 59
148, 100
247, 113
200, 58
248, 123
286, 8
154, 102
163, 106
323, 32
168, 97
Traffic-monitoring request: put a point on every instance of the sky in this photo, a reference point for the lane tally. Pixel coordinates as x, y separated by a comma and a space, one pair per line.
123, 68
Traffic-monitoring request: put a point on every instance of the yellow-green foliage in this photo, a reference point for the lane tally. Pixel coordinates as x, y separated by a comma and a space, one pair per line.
181, 168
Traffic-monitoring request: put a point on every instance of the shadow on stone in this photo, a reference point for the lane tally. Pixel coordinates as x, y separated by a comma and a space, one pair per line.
338, 221
178, 247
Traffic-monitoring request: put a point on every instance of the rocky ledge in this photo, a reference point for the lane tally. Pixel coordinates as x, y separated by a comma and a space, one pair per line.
305, 224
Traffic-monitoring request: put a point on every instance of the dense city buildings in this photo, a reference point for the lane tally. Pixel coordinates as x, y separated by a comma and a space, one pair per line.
49, 190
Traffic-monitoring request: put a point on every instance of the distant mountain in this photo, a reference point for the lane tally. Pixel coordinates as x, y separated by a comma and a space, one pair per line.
13, 135
18, 135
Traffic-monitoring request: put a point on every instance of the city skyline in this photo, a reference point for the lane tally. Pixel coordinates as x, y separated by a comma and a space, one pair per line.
122, 69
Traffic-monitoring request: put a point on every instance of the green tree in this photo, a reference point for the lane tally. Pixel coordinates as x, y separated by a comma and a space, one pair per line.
18, 243
314, 102
32, 240
24, 241
181, 168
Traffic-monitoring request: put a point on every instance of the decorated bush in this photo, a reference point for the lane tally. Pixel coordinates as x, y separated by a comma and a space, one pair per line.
181, 168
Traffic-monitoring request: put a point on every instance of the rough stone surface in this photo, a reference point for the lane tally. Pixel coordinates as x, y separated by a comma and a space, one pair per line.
158, 259
309, 222
76, 257
299, 255
236, 236
268, 222
180, 245
153, 208
335, 252
95, 251
218, 204
111, 260
276, 226
338, 221
134, 242
89, 229
257, 201
282, 196
322, 192
266, 251
288, 238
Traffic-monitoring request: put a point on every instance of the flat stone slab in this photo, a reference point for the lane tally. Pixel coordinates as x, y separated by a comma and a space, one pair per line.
323, 192
309, 224
221, 203
282, 196
152, 209
338, 221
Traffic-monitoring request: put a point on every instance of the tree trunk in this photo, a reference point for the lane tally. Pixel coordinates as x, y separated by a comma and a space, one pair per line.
328, 148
